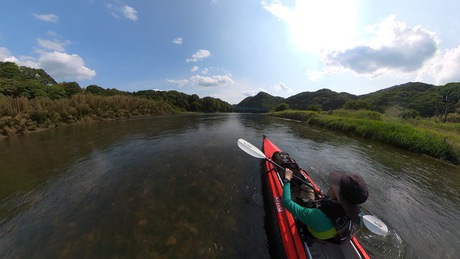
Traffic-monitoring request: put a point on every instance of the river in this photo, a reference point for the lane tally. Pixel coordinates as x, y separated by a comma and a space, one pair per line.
179, 187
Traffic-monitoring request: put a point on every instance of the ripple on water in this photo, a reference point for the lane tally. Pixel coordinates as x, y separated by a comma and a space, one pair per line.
389, 246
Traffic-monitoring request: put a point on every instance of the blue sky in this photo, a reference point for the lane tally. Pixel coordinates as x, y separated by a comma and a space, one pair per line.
231, 49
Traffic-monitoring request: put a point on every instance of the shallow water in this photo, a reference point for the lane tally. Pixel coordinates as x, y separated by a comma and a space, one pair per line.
168, 187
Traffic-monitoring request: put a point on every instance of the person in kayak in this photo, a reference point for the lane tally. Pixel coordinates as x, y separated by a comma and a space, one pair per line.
346, 192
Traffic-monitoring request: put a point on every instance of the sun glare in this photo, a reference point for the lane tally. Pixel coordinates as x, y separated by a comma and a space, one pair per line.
320, 25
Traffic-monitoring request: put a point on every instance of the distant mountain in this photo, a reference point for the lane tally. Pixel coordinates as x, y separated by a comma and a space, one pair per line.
323, 99
261, 100
401, 95
426, 99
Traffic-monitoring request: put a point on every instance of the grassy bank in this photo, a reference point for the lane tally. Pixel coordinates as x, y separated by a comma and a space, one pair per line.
438, 140
22, 115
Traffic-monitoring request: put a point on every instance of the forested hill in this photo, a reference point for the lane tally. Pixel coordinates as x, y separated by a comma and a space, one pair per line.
261, 100
20, 81
323, 99
421, 99
417, 98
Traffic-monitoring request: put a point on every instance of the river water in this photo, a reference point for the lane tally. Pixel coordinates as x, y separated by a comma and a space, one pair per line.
179, 187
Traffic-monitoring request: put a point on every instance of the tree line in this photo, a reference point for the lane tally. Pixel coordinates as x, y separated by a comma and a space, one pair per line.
20, 81
411, 100
30, 99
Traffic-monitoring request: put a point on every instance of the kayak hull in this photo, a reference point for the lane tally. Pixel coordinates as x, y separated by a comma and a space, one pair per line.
289, 242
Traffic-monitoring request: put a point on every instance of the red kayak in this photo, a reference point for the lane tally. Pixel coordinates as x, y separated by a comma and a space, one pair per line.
294, 243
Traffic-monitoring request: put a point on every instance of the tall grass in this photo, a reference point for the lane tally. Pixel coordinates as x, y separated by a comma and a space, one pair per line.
18, 115
436, 140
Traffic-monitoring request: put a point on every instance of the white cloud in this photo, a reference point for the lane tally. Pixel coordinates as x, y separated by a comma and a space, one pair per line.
205, 81
4, 54
182, 82
65, 66
396, 48
59, 65
444, 68
120, 9
194, 69
282, 87
27, 61
205, 70
199, 55
52, 44
277, 9
129, 12
211, 81
178, 41
47, 17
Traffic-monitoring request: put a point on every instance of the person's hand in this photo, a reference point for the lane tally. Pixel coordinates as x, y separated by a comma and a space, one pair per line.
288, 174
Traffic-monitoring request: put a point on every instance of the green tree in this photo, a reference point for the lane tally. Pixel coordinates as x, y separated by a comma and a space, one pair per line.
94, 89
10, 70
37, 74
113, 92
209, 105
409, 114
357, 105
282, 107
194, 103
31, 88
178, 99
9, 87
55, 92
314, 107
70, 88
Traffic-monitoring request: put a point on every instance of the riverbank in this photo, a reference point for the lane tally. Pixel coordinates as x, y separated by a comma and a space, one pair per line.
22, 115
438, 140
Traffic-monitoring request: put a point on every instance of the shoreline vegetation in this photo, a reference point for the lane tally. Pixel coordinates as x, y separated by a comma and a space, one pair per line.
31, 100
437, 140
22, 115
406, 116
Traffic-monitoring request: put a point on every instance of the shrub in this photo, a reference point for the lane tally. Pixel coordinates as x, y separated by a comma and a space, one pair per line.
409, 114
453, 117
282, 107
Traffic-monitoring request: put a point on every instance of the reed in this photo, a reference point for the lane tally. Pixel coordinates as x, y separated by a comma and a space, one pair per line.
437, 140
21, 115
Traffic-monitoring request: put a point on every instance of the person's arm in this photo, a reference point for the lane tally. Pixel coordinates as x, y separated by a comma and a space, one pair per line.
288, 203
313, 217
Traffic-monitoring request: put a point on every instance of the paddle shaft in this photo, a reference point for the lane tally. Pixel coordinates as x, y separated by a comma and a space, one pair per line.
295, 176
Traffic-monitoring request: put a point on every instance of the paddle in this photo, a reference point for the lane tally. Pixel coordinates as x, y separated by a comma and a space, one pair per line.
372, 223
375, 225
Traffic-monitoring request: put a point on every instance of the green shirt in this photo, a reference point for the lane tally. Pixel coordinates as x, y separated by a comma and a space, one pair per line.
318, 223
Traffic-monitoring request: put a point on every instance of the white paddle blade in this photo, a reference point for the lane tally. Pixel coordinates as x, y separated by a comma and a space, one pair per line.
375, 225
250, 149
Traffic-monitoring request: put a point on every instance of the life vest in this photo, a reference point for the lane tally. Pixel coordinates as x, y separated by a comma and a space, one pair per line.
343, 224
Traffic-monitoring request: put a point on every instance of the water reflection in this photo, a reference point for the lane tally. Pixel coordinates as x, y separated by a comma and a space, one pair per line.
167, 194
